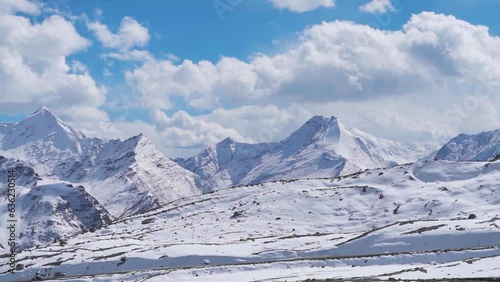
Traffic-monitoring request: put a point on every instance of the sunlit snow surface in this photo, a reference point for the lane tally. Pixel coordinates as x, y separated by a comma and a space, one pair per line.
425, 220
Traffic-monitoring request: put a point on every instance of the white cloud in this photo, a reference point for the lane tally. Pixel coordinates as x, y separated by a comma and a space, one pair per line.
78, 67
431, 67
129, 55
261, 123
377, 6
33, 63
332, 61
301, 6
183, 130
13, 6
130, 34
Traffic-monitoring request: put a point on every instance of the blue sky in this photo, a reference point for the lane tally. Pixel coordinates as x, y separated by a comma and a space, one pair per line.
187, 74
192, 29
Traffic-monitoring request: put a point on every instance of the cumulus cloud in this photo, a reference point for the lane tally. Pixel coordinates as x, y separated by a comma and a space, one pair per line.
301, 6
183, 130
33, 66
432, 63
13, 6
130, 34
332, 61
377, 6
183, 134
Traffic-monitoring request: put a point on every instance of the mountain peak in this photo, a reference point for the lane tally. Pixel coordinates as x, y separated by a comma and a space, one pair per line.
322, 120
137, 142
42, 124
43, 111
322, 124
137, 137
314, 130
227, 141
44, 114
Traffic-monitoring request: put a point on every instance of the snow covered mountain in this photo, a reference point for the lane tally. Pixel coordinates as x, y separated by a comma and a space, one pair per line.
46, 210
480, 147
85, 207
130, 177
53, 211
428, 220
43, 140
42, 125
321, 147
127, 177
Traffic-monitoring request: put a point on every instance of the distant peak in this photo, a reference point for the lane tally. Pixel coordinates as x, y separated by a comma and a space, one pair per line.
44, 114
228, 140
322, 120
320, 123
43, 111
138, 140
42, 124
227, 143
315, 130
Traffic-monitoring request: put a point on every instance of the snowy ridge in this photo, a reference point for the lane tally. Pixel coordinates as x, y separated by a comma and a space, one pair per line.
321, 147
432, 219
127, 177
133, 176
480, 147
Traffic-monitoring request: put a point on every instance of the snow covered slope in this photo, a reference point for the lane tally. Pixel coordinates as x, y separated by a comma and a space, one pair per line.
46, 210
480, 147
25, 175
127, 177
321, 147
130, 177
52, 211
432, 219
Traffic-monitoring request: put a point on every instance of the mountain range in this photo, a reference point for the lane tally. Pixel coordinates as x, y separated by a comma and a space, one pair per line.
322, 147
432, 220
74, 183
